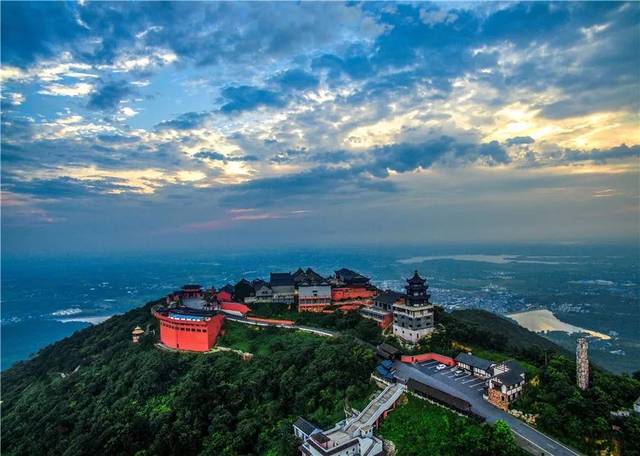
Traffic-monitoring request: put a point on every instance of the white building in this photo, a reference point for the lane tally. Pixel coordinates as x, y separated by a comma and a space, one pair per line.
413, 319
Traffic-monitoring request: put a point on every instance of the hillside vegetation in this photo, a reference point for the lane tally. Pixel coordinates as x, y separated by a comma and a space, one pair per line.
420, 428
98, 393
136, 399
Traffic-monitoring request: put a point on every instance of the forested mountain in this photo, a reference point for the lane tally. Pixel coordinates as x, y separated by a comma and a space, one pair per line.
98, 393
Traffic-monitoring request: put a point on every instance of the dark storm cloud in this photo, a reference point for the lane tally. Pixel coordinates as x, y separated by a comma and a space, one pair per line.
109, 94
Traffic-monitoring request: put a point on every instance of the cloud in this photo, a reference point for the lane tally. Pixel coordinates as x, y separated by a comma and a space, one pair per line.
520, 140
409, 157
210, 155
244, 98
620, 152
296, 79
109, 94
79, 89
186, 121
11, 100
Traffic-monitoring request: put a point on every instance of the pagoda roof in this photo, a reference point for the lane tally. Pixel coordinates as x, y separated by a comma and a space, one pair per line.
416, 279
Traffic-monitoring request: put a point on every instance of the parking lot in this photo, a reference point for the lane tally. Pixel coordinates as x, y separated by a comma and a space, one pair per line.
458, 379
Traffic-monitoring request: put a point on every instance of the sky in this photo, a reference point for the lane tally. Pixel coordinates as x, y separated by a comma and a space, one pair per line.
163, 126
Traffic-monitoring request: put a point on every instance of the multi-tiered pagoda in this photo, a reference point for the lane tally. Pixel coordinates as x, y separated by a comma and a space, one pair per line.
413, 319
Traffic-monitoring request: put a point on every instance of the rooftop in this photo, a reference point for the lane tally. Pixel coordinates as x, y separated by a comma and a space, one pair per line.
281, 279
389, 296
474, 361
305, 426
350, 276
513, 375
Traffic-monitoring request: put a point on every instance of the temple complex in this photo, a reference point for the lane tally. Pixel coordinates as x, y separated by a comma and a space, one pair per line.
413, 319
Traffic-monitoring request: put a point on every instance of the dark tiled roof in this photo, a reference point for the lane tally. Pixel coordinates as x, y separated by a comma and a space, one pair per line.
513, 376
438, 395
313, 277
305, 426
299, 275
308, 277
191, 286
258, 283
510, 378
474, 361
388, 296
385, 348
416, 279
228, 288
350, 276
281, 279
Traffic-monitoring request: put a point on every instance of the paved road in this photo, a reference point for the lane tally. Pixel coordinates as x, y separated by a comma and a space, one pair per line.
470, 389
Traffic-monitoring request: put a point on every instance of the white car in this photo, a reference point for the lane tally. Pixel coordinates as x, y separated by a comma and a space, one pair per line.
440, 367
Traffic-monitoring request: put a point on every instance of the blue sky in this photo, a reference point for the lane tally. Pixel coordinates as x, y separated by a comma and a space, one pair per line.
148, 126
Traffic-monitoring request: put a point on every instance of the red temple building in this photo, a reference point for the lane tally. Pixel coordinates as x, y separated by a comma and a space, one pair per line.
189, 329
351, 289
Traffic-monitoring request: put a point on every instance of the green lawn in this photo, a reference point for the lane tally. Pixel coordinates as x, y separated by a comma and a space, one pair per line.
259, 340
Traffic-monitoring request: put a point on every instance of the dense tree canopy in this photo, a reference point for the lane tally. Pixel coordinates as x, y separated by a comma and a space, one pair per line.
126, 398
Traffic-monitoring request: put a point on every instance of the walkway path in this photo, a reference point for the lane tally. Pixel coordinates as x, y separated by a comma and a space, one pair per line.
376, 408
317, 331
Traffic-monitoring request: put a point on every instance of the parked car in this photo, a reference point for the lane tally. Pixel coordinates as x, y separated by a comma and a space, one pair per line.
441, 366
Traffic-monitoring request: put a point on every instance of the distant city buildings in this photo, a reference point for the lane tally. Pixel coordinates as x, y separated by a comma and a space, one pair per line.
582, 363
